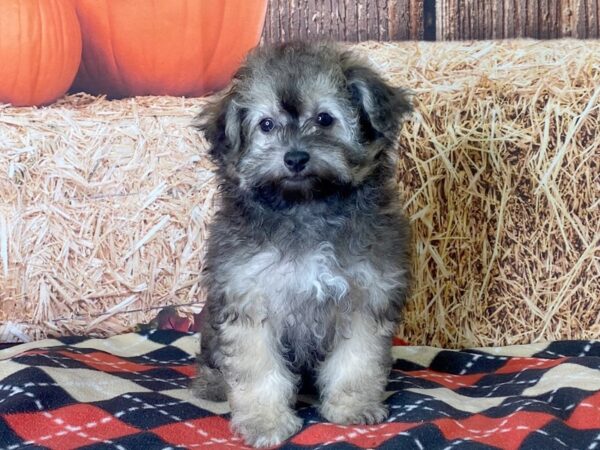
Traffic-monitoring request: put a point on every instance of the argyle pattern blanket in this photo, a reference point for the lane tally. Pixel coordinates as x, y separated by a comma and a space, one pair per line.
129, 392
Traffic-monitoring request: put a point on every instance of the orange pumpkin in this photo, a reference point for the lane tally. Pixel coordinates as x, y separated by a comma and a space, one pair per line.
164, 47
40, 50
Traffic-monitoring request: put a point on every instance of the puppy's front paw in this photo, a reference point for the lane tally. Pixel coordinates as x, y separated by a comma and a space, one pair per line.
266, 430
348, 410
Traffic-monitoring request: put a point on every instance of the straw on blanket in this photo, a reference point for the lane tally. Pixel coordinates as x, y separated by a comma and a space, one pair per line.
104, 204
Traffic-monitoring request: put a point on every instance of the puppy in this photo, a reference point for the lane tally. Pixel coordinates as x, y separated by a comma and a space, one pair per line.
307, 262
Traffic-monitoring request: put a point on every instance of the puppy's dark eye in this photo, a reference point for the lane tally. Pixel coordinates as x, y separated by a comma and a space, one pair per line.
324, 119
267, 124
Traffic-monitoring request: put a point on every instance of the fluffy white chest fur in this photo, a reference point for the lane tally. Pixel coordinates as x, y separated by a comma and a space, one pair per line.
270, 281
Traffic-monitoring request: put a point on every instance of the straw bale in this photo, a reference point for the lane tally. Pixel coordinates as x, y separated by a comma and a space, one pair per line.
104, 204
104, 210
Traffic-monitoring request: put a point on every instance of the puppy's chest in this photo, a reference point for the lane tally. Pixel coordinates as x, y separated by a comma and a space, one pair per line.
278, 281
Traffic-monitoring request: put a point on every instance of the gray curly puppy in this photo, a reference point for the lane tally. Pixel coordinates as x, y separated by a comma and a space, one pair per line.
308, 255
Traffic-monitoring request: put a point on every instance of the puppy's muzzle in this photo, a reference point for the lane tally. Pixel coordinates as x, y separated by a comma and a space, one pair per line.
296, 160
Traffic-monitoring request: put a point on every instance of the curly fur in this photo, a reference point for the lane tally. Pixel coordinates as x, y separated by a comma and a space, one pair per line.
305, 273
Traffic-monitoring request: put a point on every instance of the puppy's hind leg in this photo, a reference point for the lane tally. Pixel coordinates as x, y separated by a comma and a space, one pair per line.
353, 377
209, 384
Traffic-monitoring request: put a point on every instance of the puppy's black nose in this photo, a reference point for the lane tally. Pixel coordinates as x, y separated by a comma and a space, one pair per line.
296, 160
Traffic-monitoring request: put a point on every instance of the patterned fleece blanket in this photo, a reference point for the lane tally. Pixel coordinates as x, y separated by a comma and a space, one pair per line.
129, 392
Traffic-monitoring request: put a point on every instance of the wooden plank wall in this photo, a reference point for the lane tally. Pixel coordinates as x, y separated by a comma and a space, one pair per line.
384, 20
345, 20
501, 19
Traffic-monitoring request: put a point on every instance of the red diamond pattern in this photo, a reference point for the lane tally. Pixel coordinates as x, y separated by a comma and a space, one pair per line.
549, 398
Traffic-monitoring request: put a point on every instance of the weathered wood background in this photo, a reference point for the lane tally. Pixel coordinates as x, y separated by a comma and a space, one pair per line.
386, 20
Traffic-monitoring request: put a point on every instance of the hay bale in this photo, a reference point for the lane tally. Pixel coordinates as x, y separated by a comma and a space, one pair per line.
105, 203
105, 212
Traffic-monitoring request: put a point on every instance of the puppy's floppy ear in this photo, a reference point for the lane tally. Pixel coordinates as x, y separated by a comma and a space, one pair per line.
381, 107
221, 123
